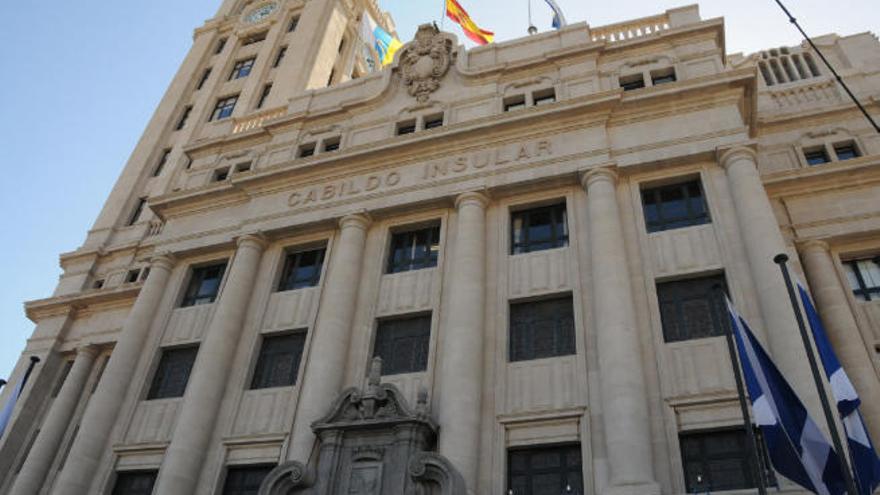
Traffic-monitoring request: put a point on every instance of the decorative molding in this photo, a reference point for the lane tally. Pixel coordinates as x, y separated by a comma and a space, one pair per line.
425, 60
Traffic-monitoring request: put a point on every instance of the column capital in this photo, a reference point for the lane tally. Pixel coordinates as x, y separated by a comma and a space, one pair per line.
608, 174
476, 197
255, 239
360, 220
164, 260
729, 155
813, 245
90, 350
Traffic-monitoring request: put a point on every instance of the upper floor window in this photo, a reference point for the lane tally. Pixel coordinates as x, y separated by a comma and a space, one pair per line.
173, 372
137, 212
204, 285
663, 76
278, 58
184, 116
224, 108
221, 44
245, 480
544, 96
267, 89
816, 156
406, 127
846, 151
693, 308
242, 68
302, 269
134, 482
278, 364
414, 250
433, 121
306, 150
635, 81
293, 24
163, 159
403, 344
541, 329
331, 144
540, 228
721, 460
514, 103
674, 206
864, 278
204, 79
410, 126
545, 470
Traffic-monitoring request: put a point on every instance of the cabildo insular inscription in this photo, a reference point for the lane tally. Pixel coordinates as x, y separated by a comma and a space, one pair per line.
413, 175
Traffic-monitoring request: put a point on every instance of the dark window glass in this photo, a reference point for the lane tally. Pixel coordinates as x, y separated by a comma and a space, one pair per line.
245, 480
630, 83
279, 360
403, 344
544, 97
846, 151
242, 68
184, 117
204, 285
302, 269
163, 159
293, 23
864, 278
541, 329
721, 460
816, 156
433, 122
514, 103
307, 150
172, 374
266, 90
278, 58
220, 46
220, 174
545, 470
138, 210
204, 79
134, 483
538, 229
692, 309
414, 250
133, 276
674, 206
224, 108
407, 127
663, 77
331, 145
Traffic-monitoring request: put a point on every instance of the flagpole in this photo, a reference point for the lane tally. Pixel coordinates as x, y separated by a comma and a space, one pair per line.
443, 17
758, 465
781, 260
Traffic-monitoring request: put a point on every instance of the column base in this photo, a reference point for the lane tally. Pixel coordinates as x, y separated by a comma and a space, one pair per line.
634, 489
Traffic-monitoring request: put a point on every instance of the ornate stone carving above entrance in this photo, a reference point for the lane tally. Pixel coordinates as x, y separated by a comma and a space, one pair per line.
425, 60
371, 442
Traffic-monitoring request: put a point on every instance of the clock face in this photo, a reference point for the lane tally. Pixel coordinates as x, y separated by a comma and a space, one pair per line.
260, 13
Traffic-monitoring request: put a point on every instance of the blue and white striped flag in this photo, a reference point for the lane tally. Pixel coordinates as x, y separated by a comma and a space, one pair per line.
797, 448
558, 18
866, 464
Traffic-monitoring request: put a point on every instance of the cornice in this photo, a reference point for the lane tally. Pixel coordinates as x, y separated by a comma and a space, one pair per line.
83, 301
857, 172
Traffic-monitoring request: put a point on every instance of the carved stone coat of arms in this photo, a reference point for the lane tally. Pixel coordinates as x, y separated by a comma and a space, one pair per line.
424, 61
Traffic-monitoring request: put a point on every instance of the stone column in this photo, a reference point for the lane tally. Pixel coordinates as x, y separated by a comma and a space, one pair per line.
100, 416
182, 464
324, 374
460, 379
35, 468
763, 240
833, 306
622, 383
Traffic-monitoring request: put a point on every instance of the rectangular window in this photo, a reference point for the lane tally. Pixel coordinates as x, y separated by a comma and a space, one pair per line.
266, 90
692, 309
204, 285
864, 278
541, 329
538, 229
816, 156
224, 108
184, 117
403, 344
306, 150
721, 460
254, 38
163, 159
331, 144
133, 276
545, 470
278, 58
220, 174
242, 68
846, 151
245, 480
663, 76
172, 374
279, 360
434, 121
221, 44
138, 210
293, 23
302, 269
204, 79
544, 97
243, 167
674, 206
407, 127
512, 103
635, 81
414, 250
135, 483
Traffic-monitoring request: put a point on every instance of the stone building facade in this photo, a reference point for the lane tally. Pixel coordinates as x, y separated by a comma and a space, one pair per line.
525, 234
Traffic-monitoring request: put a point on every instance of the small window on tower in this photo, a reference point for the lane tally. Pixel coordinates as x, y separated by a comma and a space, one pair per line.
433, 121
632, 82
306, 150
242, 68
406, 127
138, 210
846, 151
221, 174
512, 103
221, 44
278, 58
544, 96
184, 117
224, 108
243, 167
163, 159
133, 276
331, 144
816, 156
204, 79
267, 89
663, 76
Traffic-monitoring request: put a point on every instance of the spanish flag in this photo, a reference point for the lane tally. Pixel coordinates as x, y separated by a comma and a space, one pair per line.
455, 12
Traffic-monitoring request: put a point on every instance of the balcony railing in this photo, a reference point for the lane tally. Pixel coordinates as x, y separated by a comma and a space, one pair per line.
632, 29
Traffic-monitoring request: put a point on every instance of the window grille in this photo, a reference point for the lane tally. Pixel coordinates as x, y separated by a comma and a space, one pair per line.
674, 206
242, 68
414, 250
721, 460
403, 344
224, 108
538, 229
541, 329
692, 309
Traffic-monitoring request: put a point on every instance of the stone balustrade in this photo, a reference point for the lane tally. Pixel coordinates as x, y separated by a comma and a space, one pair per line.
623, 31
256, 121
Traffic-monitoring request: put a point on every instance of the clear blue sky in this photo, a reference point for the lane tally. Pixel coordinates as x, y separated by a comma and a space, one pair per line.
82, 78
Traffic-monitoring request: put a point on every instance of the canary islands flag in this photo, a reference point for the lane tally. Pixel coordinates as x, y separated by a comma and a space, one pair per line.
385, 44
455, 12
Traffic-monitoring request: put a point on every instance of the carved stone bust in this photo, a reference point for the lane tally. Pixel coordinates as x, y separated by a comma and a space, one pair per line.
425, 60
